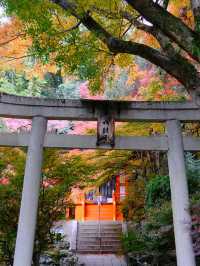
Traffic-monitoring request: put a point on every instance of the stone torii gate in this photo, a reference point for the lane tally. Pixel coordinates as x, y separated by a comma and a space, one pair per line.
42, 110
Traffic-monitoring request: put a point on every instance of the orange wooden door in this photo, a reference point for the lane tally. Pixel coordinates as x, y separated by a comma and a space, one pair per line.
91, 212
102, 212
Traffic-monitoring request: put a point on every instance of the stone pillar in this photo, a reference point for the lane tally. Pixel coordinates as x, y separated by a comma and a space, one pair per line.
179, 195
30, 194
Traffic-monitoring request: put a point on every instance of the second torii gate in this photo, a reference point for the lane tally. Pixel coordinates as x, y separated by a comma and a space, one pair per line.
41, 110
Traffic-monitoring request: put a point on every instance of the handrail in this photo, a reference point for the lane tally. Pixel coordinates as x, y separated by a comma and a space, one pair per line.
77, 235
99, 226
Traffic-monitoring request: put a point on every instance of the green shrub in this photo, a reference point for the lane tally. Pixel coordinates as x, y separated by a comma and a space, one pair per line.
133, 241
152, 241
158, 188
158, 191
159, 216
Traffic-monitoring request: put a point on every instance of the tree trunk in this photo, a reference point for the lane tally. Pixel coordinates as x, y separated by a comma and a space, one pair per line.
36, 259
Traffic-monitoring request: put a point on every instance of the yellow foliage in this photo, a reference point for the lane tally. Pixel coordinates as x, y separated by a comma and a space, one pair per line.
133, 73
136, 163
124, 60
133, 204
139, 129
182, 9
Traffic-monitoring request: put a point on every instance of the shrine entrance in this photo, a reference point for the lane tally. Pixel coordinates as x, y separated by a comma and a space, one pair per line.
96, 212
106, 113
103, 203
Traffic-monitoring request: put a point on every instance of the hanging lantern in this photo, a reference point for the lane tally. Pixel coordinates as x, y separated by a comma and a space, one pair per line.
105, 131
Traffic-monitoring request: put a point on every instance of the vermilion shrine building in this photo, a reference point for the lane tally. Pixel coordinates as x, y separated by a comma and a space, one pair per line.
102, 203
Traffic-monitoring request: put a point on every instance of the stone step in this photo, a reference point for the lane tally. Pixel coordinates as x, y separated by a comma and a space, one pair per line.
97, 240
89, 226
103, 234
89, 247
114, 231
102, 228
111, 230
84, 242
103, 243
98, 248
102, 225
110, 242
91, 231
81, 231
88, 240
84, 251
92, 250
96, 235
93, 239
101, 222
97, 243
110, 225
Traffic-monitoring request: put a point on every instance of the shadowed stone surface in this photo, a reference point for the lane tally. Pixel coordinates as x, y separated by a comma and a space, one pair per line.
102, 260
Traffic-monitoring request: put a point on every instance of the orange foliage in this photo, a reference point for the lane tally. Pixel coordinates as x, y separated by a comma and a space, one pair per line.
14, 50
182, 9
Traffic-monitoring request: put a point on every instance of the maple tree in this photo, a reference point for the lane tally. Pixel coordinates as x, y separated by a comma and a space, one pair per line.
14, 51
87, 38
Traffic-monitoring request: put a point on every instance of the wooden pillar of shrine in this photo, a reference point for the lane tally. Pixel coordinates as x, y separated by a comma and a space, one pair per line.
83, 209
114, 206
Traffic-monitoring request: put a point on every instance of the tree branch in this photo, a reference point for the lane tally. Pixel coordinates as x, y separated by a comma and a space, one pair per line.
175, 65
163, 40
70, 29
12, 39
84, 18
12, 58
170, 25
165, 4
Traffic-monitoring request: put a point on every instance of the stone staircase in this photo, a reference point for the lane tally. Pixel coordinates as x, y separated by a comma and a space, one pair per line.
95, 238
